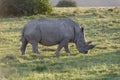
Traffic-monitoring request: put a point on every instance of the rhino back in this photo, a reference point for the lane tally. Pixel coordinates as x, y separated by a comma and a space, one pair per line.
54, 31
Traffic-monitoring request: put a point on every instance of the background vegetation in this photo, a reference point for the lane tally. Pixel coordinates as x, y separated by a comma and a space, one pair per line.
66, 3
24, 7
102, 63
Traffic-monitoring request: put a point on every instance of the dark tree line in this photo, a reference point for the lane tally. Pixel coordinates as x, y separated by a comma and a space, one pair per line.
24, 7
66, 3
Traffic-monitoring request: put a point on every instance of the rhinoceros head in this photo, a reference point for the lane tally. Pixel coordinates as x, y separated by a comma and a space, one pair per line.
82, 45
84, 48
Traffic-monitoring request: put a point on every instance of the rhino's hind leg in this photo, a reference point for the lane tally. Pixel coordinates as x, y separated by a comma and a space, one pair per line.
23, 47
35, 47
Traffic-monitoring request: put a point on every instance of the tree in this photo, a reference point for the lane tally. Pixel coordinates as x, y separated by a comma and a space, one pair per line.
24, 7
66, 3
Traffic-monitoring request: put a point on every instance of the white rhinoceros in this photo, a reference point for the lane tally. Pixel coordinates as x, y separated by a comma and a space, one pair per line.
54, 31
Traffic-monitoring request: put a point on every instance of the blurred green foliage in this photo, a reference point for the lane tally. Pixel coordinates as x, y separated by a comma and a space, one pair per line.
66, 3
24, 7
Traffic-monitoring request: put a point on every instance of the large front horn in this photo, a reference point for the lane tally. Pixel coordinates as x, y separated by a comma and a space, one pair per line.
91, 46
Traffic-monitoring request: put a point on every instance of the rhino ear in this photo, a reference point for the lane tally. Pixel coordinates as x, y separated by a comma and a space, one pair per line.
91, 46
82, 29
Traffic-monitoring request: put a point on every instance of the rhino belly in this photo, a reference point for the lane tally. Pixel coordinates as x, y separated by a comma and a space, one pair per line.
50, 40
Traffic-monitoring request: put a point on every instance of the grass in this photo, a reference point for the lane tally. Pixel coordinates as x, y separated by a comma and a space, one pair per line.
102, 26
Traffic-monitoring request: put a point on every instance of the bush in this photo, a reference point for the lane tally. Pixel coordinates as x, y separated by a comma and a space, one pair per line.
24, 7
66, 3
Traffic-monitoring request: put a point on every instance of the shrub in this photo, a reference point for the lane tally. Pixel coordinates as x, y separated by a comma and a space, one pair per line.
24, 7
66, 3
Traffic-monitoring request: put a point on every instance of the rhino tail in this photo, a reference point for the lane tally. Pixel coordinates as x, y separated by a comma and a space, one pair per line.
22, 35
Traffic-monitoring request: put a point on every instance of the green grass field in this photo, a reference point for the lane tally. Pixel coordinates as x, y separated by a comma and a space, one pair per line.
102, 26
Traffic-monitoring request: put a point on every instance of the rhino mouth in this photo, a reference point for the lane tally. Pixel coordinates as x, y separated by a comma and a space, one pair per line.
84, 52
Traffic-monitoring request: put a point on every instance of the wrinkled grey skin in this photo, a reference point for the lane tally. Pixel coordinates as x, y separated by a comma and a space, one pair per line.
50, 32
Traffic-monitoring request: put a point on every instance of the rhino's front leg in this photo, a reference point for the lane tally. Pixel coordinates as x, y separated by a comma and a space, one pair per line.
67, 49
60, 46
